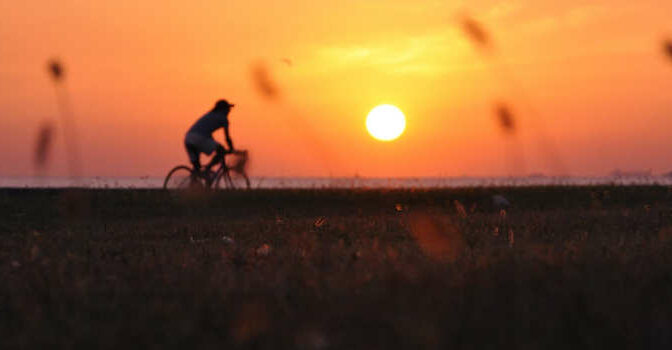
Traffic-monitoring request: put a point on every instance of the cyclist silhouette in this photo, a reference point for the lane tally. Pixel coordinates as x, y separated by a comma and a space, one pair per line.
199, 137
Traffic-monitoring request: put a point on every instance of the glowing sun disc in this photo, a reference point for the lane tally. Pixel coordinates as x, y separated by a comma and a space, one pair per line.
385, 122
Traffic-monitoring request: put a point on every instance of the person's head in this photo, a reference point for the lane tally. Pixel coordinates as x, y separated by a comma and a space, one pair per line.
223, 106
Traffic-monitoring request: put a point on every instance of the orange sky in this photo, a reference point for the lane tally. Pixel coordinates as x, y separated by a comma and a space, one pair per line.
140, 72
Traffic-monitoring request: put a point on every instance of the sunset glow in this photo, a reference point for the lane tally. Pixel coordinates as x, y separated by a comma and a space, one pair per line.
588, 76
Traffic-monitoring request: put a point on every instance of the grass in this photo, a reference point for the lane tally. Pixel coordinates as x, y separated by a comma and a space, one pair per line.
563, 267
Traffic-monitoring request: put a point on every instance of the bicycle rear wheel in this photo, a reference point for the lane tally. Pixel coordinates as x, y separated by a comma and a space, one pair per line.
181, 178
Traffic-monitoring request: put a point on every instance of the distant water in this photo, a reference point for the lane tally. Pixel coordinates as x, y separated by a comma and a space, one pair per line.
340, 182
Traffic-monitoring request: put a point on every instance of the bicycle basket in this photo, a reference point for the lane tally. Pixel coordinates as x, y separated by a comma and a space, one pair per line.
237, 162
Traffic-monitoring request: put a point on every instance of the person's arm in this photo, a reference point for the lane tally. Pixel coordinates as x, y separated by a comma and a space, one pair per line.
227, 136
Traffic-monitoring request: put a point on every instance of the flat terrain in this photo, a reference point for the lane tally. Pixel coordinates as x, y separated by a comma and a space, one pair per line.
560, 268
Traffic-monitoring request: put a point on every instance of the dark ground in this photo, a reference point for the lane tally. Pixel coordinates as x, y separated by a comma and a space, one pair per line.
562, 268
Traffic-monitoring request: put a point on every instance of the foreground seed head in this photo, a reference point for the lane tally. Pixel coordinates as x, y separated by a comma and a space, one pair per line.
56, 70
668, 48
475, 32
505, 118
263, 81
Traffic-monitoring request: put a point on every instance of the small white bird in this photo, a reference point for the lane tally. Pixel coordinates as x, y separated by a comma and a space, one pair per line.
500, 201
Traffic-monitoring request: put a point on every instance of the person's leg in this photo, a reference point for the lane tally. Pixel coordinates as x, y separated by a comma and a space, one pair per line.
219, 155
203, 144
194, 157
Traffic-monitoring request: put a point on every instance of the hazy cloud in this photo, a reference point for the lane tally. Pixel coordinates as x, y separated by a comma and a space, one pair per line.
419, 54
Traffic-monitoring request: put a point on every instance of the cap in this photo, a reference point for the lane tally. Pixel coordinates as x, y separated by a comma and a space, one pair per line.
223, 104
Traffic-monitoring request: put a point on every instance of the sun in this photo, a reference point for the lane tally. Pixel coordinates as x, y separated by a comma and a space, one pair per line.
386, 122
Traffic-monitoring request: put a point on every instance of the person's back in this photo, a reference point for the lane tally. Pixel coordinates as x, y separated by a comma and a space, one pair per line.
210, 122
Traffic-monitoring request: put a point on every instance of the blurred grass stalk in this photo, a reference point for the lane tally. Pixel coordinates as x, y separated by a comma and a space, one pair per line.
57, 73
482, 40
43, 146
268, 88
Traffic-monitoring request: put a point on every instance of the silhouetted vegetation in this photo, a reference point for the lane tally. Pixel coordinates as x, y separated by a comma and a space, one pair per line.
548, 267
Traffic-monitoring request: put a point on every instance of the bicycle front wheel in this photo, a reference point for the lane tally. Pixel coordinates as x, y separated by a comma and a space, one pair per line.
233, 180
181, 178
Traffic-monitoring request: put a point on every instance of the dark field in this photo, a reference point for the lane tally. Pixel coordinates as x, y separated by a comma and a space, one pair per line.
560, 268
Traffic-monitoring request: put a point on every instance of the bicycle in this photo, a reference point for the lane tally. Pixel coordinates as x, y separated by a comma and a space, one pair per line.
227, 176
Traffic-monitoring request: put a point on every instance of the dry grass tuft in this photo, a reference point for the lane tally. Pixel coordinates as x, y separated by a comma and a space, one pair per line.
319, 222
511, 238
263, 250
460, 209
